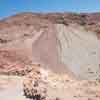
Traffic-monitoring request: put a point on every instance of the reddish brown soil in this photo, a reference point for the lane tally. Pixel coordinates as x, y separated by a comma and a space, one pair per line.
12, 62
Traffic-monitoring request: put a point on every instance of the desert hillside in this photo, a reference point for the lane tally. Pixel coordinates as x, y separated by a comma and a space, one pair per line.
58, 51
53, 40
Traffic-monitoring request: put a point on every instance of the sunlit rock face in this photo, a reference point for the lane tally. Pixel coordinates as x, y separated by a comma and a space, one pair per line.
72, 47
62, 42
44, 47
80, 50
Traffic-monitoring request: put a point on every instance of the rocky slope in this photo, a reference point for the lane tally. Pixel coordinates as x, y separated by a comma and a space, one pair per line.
69, 41
66, 47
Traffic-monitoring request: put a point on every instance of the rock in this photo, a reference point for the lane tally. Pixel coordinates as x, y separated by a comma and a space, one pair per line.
69, 41
42, 84
63, 44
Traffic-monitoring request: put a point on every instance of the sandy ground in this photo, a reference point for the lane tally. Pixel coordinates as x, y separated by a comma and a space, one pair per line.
11, 88
60, 86
57, 85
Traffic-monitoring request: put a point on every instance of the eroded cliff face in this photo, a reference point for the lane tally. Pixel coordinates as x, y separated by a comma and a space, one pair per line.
51, 51
79, 49
61, 42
